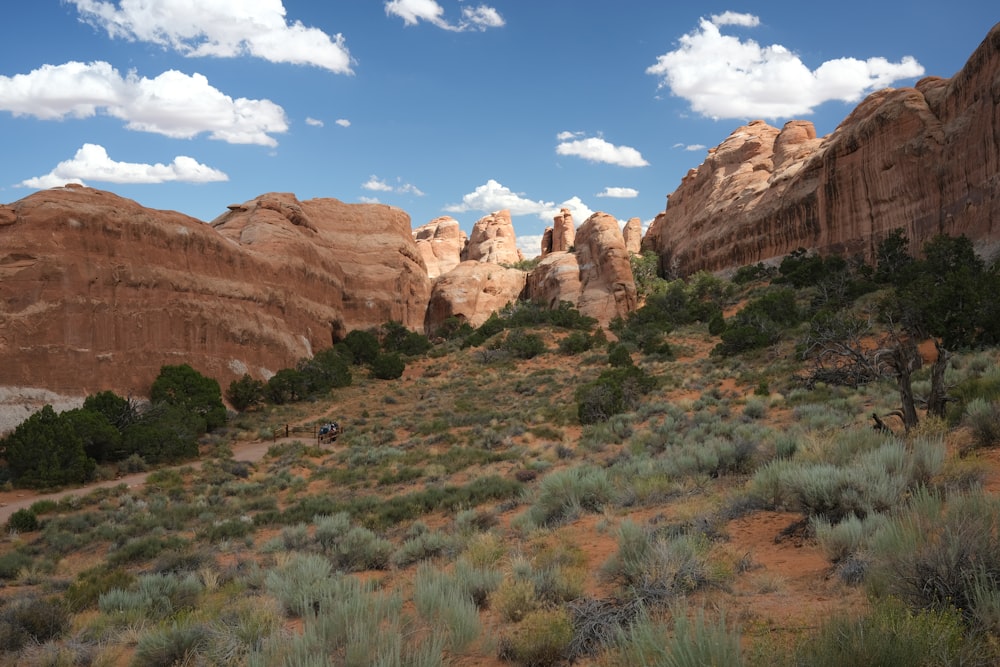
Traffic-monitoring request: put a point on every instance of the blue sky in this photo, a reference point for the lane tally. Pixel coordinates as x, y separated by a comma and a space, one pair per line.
438, 107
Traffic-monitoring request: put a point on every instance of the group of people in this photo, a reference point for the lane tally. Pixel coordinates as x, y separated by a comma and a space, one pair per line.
328, 432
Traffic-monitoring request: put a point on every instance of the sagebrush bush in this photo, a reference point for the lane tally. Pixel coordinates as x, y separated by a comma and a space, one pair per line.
541, 639
685, 642
441, 598
566, 493
983, 419
656, 568
514, 598
32, 619
175, 644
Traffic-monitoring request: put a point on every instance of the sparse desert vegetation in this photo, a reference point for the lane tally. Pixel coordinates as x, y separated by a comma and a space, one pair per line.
707, 489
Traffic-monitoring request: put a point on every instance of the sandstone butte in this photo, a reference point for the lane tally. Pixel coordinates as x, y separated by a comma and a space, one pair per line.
925, 159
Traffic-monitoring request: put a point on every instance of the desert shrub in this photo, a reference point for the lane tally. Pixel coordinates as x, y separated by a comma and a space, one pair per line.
428, 544
847, 538
286, 386
619, 355
164, 434
541, 639
576, 342
175, 644
23, 521
440, 598
388, 366
615, 391
931, 554
889, 634
983, 418
655, 567
397, 338
523, 345
514, 599
85, 592
302, 584
565, 493
45, 450
188, 389
241, 628
32, 619
759, 323
12, 562
477, 582
361, 549
685, 642
364, 346
245, 393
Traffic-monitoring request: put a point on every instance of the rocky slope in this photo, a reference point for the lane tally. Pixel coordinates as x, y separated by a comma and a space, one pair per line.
925, 159
98, 292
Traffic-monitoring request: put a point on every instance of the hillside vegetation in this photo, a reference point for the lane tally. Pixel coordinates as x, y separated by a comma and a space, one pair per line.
796, 466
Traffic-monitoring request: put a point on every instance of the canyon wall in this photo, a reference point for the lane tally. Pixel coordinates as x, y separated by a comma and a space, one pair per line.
925, 159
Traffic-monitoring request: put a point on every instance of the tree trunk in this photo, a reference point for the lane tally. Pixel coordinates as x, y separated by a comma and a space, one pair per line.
905, 360
937, 401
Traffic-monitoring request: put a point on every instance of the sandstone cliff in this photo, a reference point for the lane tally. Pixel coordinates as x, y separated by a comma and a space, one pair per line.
925, 159
596, 277
99, 292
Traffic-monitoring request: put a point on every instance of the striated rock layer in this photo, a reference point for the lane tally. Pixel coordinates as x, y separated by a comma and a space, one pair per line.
99, 292
925, 159
596, 277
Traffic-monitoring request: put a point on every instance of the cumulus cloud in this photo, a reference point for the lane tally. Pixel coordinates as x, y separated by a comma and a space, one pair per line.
722, 76
619, 193
173, 104
596, 149
530, 245
343, 122
219, 28
92, 163
377, 184
413, 12
690, 147
575, 205
493, 197
315, 122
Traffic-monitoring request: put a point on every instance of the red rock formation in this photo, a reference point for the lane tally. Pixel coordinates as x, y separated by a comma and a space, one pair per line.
925, 159
596, 277
632, 232
99, 292
493, 240
473, 291
440, 243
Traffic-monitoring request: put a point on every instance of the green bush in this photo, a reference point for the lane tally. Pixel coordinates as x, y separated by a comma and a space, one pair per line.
175, 644
655, 568
389, 366
523, 345
32, 619
287, 386
576, 342
615, 391
85, 592
23, 521
45, 450
165, 434
185, 387
364, 346
514, 599
439, 597
12, 562
245, 393
983, 418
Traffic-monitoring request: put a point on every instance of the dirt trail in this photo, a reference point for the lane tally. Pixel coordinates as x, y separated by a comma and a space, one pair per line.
11, 501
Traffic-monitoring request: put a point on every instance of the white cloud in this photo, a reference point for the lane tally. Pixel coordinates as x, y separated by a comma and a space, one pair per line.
92, 163
473, 18
567, 135
596, 149
736, 18
343, 122
575, 205
690, 147
174, 104
619, 193
493, 197
315, 122
377, 184
219, 28
724, 77
530, 245
369, 200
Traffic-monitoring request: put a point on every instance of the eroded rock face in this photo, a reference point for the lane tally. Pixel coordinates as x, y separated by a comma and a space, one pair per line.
925, 159
596, 277
99, 292
493, 240
472, 291
440, 243
632, 233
